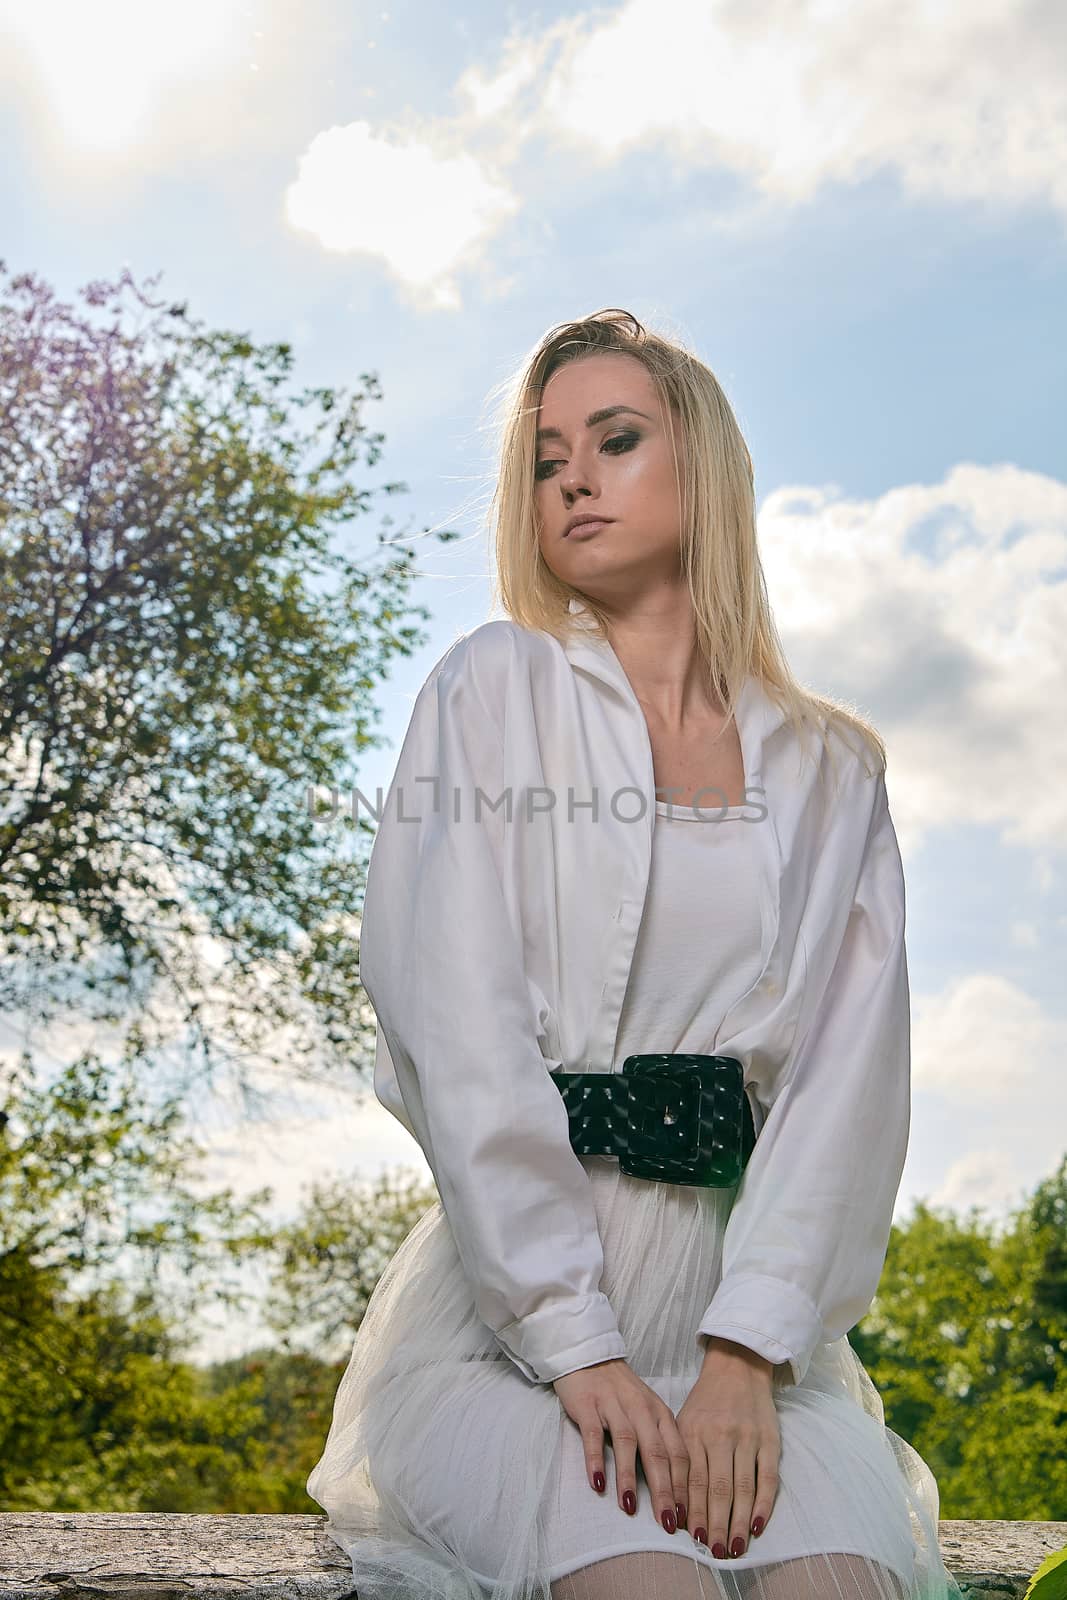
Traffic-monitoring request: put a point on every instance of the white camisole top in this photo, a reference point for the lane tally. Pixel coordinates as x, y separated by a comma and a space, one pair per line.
699, 944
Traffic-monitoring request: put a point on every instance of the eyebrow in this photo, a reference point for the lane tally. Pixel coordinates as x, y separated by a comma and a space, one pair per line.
592, 419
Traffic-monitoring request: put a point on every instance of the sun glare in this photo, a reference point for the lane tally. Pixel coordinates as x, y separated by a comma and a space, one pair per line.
105, 70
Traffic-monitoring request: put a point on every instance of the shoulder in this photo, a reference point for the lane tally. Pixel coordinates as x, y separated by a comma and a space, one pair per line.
482, 670
846, 798
851, 764
861, 829
490, 647
488, 657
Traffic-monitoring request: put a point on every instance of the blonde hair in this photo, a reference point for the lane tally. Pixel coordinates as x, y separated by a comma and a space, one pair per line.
735, 630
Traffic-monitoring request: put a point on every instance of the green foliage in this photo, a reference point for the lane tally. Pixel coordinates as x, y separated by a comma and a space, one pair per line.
190, 654
967, 1343
187, 648
96, 1210
124, 1426
294, 1400
1049, 1582
108, 1249
331, 1258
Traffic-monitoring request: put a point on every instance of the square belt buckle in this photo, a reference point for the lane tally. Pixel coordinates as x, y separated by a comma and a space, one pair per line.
664, 1115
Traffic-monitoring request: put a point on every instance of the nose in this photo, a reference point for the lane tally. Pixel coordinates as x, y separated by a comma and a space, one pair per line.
574, 488
574, 480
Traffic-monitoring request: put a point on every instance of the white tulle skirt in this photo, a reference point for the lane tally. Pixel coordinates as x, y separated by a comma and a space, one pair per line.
448, 1475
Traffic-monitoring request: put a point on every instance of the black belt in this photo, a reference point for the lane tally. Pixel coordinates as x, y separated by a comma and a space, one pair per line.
674, 1118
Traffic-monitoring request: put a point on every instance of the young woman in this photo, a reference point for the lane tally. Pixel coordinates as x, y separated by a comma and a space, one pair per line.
618, 826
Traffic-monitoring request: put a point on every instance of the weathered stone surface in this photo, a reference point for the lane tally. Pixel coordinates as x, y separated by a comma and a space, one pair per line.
998, 1558
88, 1555
159, 1555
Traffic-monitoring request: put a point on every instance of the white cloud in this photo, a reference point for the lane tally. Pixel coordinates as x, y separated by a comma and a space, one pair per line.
964, 104
984, 1042
985, 1178
1046, 878
336, 1135
961, 103
989, 1100
423, 207
941, 611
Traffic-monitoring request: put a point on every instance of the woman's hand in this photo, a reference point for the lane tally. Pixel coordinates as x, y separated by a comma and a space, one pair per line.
732, 1438
610, 1395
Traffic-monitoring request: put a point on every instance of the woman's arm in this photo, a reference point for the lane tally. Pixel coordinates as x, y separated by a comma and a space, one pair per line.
806, 1240
442, 962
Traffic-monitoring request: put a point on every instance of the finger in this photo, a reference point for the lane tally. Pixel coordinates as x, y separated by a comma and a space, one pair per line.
624, 1447
767, 1459
656, 1461
720, 1496
744, 1493
697, 1504
592, 1431
679, 1466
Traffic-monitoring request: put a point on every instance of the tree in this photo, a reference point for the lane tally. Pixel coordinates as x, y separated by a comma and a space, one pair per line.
967, 1343
185, 652
106, 1253
329, 1260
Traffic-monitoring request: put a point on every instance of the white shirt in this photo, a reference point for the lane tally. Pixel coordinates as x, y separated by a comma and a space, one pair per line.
495, 951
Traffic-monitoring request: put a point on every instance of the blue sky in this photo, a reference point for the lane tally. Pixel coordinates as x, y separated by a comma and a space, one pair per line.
853, 212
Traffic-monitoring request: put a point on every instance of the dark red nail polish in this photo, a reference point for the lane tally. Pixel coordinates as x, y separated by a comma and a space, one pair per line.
629, 1502
738, 1546
668, 1521
679, 1512
701, 1535
718, 1551
758, 1526
598, 1482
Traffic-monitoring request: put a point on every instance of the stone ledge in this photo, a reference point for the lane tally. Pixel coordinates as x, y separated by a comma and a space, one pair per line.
136, 1555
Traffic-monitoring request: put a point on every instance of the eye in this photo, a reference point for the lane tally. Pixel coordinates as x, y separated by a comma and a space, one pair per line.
626, 440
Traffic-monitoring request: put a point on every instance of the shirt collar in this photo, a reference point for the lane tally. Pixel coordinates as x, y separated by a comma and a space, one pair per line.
758, 716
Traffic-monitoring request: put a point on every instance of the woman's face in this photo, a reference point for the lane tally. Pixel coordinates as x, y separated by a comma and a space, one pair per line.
618, 467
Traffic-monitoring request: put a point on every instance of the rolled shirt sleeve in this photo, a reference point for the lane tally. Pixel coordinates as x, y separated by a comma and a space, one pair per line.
807, 1237
441, 960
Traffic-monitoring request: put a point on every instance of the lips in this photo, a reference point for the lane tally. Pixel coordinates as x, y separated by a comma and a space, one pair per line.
587, 525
